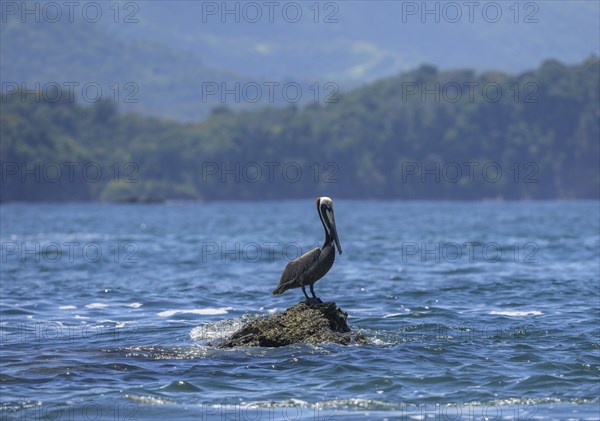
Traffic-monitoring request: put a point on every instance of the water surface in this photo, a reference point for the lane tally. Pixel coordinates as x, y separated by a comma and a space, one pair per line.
473, 310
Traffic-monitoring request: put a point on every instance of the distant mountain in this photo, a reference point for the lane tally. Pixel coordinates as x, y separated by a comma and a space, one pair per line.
144, 76
359, 41
166, 54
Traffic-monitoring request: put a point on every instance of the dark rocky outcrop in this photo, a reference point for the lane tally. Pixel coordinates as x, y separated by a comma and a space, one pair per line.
313, 323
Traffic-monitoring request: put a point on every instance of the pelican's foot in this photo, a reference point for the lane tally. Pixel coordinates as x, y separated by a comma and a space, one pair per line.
314, 300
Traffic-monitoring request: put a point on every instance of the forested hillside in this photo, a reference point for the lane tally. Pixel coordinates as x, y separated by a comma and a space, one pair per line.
425, 134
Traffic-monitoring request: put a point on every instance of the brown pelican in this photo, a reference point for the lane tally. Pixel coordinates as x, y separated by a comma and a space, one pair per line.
313, 265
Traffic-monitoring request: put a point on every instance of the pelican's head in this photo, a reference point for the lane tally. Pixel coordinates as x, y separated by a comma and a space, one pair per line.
325, 209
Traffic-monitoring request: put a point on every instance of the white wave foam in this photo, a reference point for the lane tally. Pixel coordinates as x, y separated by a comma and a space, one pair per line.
516, 313
135, 305
67, 307
113, 323
96, 305
219, 330
149, 400
201, 311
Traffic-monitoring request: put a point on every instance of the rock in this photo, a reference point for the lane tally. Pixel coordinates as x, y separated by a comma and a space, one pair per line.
314, 323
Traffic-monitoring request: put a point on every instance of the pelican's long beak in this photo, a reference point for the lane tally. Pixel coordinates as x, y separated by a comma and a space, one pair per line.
335, 233
325, 209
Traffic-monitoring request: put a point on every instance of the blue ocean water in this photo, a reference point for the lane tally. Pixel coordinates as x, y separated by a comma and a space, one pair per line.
472, 310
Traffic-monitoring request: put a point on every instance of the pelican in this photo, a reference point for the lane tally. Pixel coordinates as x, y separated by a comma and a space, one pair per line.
313, 265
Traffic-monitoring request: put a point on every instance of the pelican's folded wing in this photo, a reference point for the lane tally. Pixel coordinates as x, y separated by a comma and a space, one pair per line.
295, 269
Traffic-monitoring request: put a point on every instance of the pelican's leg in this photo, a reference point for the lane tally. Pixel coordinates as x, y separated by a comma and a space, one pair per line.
315, 298
305, 294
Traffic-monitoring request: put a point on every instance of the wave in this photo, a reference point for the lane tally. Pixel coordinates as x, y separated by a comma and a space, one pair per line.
200, 311
516, 313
